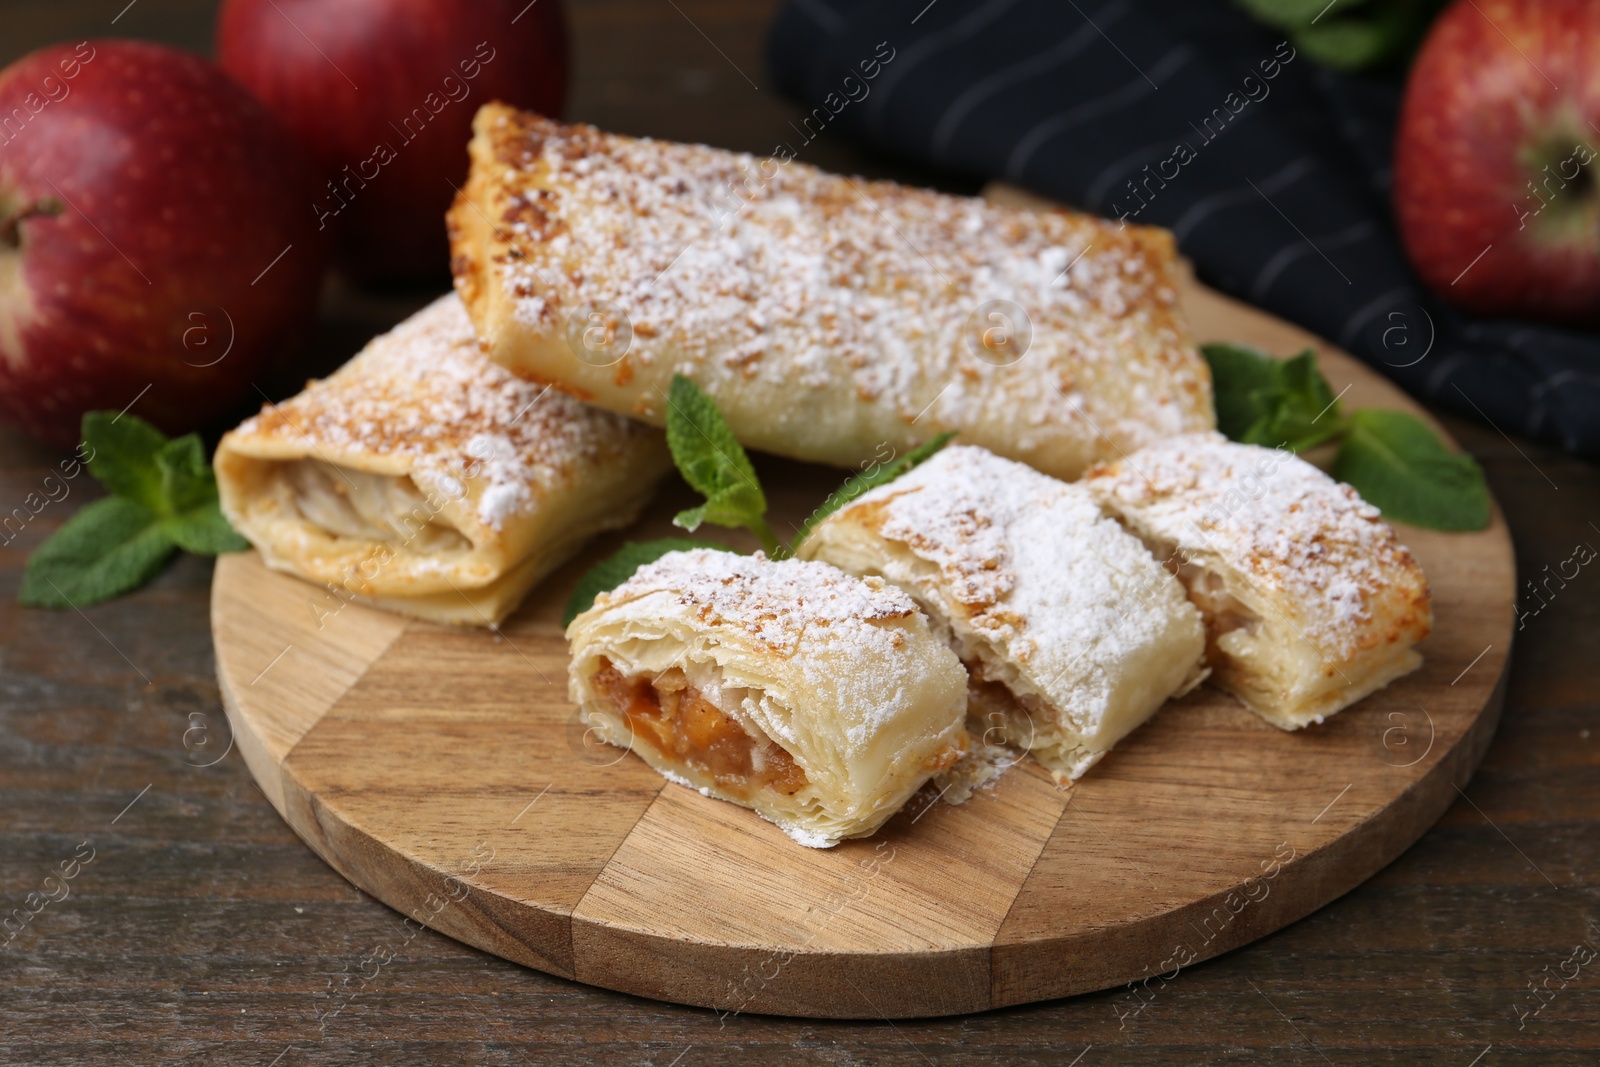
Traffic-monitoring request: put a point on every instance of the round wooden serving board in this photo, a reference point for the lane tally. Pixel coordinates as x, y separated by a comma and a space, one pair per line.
444, 772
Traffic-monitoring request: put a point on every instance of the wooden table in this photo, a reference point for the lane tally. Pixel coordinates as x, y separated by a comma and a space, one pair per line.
203, 931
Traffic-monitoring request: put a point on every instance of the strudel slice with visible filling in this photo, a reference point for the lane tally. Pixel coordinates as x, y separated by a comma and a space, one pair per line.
826, 316
422, 478
1072, 634
819, 700
1310, 600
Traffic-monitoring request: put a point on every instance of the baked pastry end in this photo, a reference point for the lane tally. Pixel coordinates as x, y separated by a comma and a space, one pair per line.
1310, 601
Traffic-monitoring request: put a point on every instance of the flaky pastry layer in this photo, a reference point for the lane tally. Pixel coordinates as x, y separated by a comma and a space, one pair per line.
840, 674
1073, 635
1310, 600
422, 478
828, 317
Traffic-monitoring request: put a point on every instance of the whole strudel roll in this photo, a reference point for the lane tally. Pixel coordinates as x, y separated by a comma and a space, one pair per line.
1072, 633
826, 316
1310, 600
818, 699
422, 478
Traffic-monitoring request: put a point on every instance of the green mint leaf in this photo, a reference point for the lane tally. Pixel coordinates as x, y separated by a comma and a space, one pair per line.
1369, 35
874, 476
1264, 401
720, 513
1399, 465
1308, 411
731, 508
187, 481
690, 518
203, 531
1348, 44
1285, 13
1353, 35
710, 458
135, 460
108, 548
619, 567
164, 498
1244, 383
122, 456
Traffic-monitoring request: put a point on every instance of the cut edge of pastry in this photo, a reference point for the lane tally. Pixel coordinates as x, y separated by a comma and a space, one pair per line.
1019, 714
1330, 702
1310, 600
995, 709
693, 738
692, 730
1254, 648
842, 673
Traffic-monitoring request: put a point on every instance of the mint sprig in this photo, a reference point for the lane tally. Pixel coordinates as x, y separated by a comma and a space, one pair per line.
1265, 401
1355, 35
164, 497
713, 462
1400, 466
1394, 460
108, 548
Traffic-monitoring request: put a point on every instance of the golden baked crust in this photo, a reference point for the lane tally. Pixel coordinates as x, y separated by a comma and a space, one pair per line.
1045, 600
422, 478
1310, 600
840, 673
828, 317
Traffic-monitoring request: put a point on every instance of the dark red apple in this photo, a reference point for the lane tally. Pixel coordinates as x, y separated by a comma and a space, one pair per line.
383, 93
1494, 179
157, 246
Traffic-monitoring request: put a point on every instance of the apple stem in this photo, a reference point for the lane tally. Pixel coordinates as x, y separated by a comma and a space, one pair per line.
11, 223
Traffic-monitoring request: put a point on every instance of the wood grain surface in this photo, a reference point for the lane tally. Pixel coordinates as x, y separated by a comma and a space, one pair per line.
204, 931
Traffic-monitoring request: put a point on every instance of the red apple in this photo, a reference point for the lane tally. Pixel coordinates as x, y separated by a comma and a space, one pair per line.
383, 93
157, 247
1494, 177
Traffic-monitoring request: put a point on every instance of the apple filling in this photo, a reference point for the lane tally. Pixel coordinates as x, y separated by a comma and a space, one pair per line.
371, 507
1231, 627
683, 726
1222, 612
1005, 714
1233, 631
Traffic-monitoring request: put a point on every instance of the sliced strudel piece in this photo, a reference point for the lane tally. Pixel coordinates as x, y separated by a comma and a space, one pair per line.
1310, 600
422, 478
828, 317
817, 699
1072, 634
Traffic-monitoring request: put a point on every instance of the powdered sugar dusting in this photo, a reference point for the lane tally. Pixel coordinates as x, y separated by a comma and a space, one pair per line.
425, 392
979, 768
1038, 592
1282, 522
983, 519
847, 279
775, 602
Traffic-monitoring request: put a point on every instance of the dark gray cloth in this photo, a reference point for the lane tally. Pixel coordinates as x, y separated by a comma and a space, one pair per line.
1273, 172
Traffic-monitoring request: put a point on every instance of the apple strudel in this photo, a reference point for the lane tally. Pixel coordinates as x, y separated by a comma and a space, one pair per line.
825, 316
1310, 600
424, 479
1072, 634
819, 700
